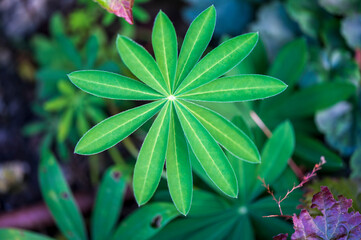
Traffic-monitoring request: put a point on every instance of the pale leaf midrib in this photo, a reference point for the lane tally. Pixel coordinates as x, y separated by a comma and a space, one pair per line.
214, 64
226, 90
152, 152
194, 43
119, 126
177, 166
116, 86
216, 166
167, 77
149, 73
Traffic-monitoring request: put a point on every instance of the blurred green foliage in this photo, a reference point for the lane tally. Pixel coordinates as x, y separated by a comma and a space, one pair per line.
311, 45
107, 208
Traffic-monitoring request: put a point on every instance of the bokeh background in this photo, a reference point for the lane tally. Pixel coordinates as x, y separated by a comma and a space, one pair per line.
314, 44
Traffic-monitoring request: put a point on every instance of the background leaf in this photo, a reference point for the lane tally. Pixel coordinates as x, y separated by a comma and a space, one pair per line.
11, 233
59, 199
276, 153
108, 204
290, 62
146, 221
309, 100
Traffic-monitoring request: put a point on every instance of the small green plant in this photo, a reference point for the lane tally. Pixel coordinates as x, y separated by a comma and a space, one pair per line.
141, 224
173, 86
71, 54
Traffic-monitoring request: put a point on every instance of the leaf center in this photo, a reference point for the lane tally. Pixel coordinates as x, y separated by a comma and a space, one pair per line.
171, 98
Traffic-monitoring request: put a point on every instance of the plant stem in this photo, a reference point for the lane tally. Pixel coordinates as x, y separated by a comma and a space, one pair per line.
296, 169
130, 146
116, 156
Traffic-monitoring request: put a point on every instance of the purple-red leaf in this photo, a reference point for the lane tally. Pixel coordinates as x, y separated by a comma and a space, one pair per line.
281, 236
121, 8
335, 223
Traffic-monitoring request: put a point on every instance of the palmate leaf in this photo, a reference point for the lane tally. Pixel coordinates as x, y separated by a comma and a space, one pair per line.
183, 132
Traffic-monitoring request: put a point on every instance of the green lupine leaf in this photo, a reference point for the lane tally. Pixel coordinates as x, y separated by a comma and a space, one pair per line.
206, 200
69, 49
199, 170
190, 226
56, 104
245, 174
217, 230
59, 199
34, 128
150, 163
141, 64
208, 152
290, 62
164, 40
195, 42
114, 129
309, 100
243, 229
108, 204
179, 172
66, 88
266, 227
14, 234
276, 153
219, 61
82, 124
65, 124
91, 47
267, 206
95, 114
146, 221
225, 133
236, 89
310, 150
111, 85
